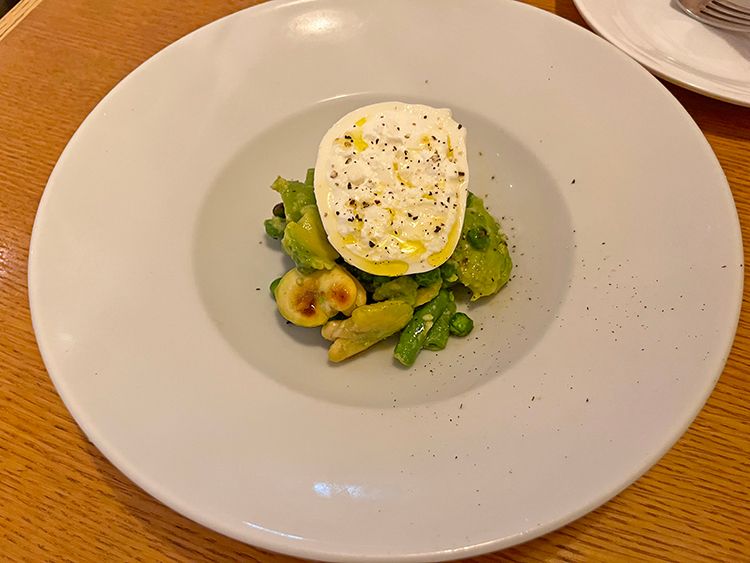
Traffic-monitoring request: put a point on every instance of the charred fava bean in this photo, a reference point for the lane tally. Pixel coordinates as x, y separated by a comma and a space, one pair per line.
310, 299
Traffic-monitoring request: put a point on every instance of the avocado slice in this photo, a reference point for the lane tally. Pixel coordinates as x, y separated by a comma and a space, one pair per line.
482, 267
306, 243
295, 196
368, 325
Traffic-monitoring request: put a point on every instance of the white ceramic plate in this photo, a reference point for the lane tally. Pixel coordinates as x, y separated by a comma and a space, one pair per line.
149, 271
659, 35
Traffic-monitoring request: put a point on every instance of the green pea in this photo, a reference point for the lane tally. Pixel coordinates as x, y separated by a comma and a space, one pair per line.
478, 237
460, 324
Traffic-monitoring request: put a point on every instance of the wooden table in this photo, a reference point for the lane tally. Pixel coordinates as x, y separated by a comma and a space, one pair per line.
61, 500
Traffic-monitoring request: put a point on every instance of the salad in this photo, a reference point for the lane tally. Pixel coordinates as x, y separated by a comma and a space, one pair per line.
383, 230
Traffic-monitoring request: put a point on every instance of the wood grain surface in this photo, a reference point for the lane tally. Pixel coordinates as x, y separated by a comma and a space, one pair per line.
15, 15
61, 500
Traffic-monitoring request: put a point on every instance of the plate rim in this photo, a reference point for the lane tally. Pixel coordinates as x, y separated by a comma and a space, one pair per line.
606, 33
268, 537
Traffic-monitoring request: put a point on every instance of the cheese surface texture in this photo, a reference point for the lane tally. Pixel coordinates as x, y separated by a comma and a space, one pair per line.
391, 181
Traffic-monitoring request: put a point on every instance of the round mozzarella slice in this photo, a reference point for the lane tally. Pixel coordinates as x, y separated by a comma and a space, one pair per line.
391, 181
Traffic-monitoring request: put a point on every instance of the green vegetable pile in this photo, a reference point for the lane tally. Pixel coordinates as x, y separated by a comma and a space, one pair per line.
356, 309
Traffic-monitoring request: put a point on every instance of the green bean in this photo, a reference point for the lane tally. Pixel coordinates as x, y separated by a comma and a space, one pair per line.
437, 338
415, 332
310, 178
